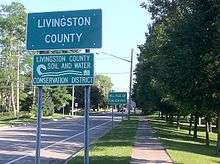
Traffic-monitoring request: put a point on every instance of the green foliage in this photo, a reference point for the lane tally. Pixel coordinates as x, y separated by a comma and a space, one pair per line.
96, 97
104, 84
60, 96
12, 36
33, 111
180, 59
79, 96
99, 92
48, 104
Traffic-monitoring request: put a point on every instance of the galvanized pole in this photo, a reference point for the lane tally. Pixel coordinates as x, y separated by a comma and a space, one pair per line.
73, 100
87, 90
122, 114
130, 84
113, 117
63, 112
39, 115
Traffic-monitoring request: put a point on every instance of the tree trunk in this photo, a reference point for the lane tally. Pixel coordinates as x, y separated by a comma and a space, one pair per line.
206, 131
218, 135
34, 96
210, 124
178, 122
17, 85
196, 126
166, 117
171, 118
200, 121
190, 124
13, 99
162, 116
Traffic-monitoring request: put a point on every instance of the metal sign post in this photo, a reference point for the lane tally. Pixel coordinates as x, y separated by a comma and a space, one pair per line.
122, 114
73, 100
112, 117
39, 115
86, 124
87, 91
64, 30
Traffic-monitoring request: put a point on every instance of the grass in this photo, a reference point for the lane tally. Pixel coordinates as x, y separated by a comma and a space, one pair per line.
113, 148
8, 119
182, 148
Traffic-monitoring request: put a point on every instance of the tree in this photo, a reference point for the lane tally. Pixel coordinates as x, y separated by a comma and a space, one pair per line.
96, 97
104, 84
12, 29
99, 92
60, 97
181, 54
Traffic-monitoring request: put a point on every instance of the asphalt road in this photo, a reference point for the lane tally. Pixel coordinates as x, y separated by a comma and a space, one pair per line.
60, 139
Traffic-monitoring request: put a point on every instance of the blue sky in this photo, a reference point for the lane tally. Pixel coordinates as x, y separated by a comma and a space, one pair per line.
124, 27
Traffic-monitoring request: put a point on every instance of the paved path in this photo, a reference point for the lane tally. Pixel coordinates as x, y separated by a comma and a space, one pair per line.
147, 148
60, 140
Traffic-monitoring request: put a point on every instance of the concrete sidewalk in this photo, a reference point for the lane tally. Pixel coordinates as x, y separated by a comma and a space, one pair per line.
147, 148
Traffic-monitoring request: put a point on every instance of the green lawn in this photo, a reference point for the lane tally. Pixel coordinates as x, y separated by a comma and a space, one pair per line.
182, 148
8, 119
113, 148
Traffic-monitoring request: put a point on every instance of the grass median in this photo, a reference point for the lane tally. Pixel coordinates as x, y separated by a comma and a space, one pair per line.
183, 148
115, 147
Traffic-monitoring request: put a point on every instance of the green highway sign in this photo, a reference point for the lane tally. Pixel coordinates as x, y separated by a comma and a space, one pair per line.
115, 98
78, 29
63, 69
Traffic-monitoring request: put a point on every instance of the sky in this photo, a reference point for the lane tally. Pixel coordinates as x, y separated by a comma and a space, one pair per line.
124, 26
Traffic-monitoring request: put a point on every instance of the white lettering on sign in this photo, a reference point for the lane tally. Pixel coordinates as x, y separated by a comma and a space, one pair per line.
51, 59
66, 66
82, 80
64, 22
63, 38
62, 59
85, 65
81, 58
51, 80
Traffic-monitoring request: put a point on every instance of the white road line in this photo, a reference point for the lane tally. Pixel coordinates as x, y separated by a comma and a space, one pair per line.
17, 159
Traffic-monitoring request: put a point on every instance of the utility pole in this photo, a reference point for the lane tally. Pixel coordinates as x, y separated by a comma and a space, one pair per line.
130, 84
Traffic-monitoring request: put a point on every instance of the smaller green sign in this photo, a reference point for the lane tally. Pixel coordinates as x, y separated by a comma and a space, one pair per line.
116, 98
63, 69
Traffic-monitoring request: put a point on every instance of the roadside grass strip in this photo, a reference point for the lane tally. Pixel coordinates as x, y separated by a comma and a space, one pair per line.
183, 148
115, 147
25, 118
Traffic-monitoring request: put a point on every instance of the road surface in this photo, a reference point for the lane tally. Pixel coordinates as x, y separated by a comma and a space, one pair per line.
60, 139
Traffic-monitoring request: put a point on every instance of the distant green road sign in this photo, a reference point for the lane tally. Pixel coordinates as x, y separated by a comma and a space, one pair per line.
115, 98
63, 69
78, 29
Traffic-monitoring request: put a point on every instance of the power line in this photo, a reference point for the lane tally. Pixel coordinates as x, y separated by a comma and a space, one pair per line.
109, 54
113, 73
